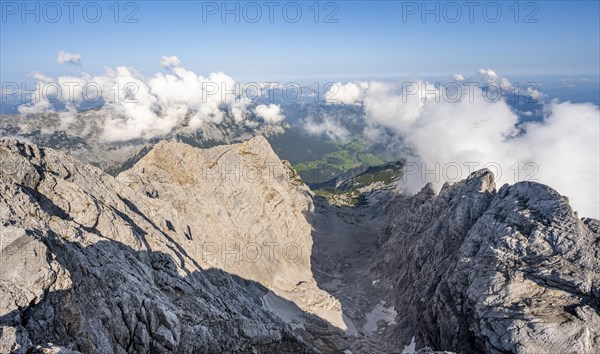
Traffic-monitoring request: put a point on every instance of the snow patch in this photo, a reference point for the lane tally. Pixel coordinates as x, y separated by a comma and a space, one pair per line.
411, 348
380, 312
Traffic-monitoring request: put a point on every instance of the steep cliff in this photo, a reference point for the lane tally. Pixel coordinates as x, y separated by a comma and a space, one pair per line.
89, 264
474, 269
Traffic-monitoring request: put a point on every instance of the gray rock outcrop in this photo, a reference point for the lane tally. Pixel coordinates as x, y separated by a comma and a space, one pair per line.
479, 270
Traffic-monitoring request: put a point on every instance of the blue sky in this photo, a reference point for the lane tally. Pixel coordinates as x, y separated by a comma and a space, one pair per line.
369, 40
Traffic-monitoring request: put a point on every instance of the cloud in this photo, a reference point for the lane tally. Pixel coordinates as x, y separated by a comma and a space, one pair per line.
349, 93
533, 93
140, 107
328, 126
489, 77
566, 147
446, 140
458, 77
68, 58
170, 61
67, 117
38, 76
37, 107
270, 113
487, 72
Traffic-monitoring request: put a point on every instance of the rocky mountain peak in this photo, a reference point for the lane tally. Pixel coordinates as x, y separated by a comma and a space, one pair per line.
484, 178
475, 269
244, 210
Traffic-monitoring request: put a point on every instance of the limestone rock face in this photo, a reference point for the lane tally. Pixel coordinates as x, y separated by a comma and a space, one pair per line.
89, 265
243, 210
475, 269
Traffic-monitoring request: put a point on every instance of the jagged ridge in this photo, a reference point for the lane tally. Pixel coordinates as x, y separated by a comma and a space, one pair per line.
480, 270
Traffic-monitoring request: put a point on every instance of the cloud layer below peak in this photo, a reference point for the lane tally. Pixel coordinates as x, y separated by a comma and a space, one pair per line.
145, 107
447, 139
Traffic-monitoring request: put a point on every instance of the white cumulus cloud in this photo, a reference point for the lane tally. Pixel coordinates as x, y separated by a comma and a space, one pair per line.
350, 93
270, 113
328, 126
68, 58
136, 106
460, 136
170, 61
